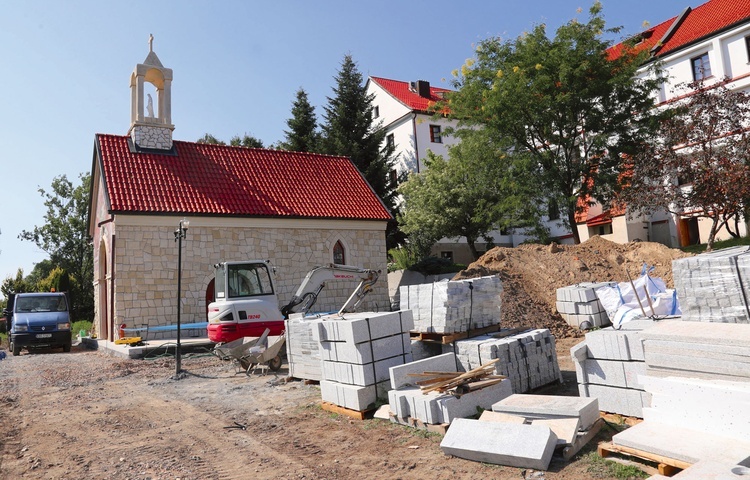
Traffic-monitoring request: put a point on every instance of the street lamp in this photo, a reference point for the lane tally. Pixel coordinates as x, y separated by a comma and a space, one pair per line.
179, 234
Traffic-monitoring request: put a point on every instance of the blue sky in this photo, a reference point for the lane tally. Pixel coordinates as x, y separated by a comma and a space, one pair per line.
236, 64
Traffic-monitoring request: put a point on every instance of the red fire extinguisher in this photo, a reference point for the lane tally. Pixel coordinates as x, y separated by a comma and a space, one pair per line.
122, 330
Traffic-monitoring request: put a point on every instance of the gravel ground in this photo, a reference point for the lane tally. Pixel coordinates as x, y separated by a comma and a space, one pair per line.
86, 415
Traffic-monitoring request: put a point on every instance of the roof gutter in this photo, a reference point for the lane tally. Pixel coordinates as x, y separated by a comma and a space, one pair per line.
416, 143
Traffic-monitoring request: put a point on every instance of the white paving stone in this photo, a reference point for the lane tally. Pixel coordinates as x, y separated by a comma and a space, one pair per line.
523, 446
550, 406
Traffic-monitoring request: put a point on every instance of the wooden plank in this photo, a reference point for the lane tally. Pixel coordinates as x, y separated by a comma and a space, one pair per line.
333, 408
474, 373
581, 440
446, 338
608, 448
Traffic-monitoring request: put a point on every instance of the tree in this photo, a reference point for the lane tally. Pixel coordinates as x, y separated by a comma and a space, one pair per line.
246, 141
210, 139
303, 135
476, 190
64, 237
566, 102
699, 162
349, 130
11, 285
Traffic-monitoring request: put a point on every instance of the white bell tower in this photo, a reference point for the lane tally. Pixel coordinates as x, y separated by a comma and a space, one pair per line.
151, 129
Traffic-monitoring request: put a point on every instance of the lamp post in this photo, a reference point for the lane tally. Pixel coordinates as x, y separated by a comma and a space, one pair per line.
179, 234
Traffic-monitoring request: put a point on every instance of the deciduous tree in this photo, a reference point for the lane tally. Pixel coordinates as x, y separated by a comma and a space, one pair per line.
64, 237
699, 163
476, 190
565, 101
246, 140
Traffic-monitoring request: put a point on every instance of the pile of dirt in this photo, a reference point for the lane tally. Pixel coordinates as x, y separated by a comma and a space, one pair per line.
532, 274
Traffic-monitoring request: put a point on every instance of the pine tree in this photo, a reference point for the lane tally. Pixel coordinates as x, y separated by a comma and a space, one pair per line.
349, 130
303, 135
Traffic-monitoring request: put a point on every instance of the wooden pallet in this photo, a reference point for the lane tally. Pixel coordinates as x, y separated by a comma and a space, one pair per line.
338, 409
666, 466
446, 338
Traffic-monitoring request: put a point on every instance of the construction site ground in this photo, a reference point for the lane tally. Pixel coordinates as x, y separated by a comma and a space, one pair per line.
88, 415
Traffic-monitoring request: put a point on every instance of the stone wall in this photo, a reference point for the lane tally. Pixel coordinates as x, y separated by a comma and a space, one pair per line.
146, 272
152, 137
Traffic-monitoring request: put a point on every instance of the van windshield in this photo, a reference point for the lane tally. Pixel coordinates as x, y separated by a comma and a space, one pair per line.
41, 303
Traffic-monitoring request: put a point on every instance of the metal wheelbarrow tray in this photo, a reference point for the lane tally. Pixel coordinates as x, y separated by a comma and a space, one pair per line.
247, 355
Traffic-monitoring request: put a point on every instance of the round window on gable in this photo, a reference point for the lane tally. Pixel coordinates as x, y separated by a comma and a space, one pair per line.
339, 255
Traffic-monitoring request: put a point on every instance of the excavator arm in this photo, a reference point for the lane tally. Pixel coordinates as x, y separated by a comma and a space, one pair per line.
315, 281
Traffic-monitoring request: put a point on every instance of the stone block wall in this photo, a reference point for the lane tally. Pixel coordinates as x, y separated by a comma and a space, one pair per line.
145, 284
159, 138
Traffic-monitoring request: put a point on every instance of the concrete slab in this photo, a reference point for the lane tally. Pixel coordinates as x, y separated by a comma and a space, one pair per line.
363, 375
732, 334
566, 429
490, 416
551, 406
710, 470
364, 326
613, 373
438, 408
523, 446
625, 401
713, 406
683, 444
150, 347
352, 397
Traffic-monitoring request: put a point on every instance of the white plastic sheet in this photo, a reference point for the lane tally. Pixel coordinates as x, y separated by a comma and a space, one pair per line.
650, 298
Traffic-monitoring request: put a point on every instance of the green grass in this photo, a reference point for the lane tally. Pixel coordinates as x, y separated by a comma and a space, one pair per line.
80, 325
599, 467
732, 242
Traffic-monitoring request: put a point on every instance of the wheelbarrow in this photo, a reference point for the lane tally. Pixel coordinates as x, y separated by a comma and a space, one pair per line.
247, 356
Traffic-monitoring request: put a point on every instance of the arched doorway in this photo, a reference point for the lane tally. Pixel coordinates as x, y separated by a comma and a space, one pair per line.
103, 293
210, 295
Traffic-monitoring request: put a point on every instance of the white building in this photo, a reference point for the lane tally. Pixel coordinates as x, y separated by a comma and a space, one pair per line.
413, 129
710, 42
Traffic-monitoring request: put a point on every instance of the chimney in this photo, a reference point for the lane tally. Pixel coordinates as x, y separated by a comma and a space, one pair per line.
423, 88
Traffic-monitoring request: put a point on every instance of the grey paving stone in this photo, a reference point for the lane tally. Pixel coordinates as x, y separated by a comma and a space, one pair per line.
523, 446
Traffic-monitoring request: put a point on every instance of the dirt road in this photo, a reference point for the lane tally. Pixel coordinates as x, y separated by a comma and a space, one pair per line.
85, 415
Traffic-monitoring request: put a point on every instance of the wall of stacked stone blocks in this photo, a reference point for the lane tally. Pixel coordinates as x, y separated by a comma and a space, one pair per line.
145, 284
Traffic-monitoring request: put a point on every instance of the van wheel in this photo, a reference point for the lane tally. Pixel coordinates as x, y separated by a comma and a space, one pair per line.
66, 348
15, 348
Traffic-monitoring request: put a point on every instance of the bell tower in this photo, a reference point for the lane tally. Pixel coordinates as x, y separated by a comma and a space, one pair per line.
149, 128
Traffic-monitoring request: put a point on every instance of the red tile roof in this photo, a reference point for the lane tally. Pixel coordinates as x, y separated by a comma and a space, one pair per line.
702, 21
204, 179
401, 92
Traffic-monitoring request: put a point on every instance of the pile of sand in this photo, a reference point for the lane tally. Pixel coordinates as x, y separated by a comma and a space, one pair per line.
532, 274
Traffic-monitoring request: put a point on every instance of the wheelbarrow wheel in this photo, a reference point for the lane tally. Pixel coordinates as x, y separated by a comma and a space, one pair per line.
275, 363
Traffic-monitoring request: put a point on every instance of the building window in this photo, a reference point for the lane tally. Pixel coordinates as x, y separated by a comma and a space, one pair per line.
390, 141
339, 255
701, 67
435, 136
553, 210
375, 111
393, 177
447, 255
747, 48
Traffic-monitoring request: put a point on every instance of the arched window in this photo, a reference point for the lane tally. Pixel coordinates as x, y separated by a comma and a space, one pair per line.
339, 254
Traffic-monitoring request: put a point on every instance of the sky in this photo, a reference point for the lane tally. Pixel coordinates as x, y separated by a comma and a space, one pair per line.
237, 66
